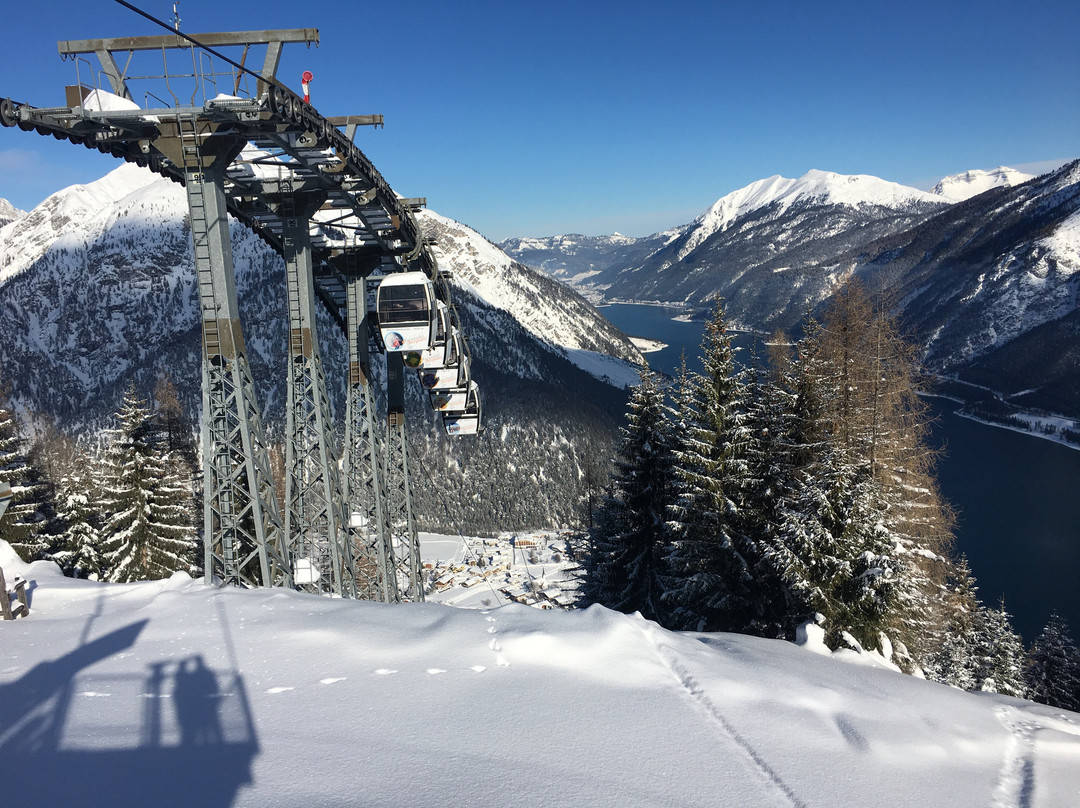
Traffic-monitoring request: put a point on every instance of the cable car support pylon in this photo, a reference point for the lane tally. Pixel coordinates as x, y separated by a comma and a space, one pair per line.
265, 156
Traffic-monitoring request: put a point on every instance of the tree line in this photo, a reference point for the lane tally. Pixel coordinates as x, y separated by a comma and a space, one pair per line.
798, 489
121, 509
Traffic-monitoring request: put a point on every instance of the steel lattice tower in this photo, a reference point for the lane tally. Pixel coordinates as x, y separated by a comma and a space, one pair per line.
365, 450
315, 522
243, 532
403, 537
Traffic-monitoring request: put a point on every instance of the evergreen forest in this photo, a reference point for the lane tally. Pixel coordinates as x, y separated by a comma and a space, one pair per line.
796, 492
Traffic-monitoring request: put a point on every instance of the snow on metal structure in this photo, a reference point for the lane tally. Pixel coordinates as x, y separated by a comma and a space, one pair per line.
244, 144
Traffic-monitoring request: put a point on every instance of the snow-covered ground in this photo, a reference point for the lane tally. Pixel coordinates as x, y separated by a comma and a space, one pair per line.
174, 693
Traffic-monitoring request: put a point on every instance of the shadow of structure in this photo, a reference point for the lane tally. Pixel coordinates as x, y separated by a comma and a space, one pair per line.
178, 734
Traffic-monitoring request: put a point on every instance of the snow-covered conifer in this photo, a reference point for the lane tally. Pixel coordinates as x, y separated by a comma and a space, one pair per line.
998, 655
147, 532
29, 522
712, 584
629, 540
1053, 673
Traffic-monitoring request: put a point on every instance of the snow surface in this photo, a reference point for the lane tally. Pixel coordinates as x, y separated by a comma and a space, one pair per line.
822, 187
174, 693
958, 187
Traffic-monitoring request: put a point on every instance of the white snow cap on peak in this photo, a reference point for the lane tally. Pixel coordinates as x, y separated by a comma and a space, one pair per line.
958, 187
9, 212
823, 187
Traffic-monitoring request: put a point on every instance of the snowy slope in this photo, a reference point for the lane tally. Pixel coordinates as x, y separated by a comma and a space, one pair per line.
959, 187
816, 187
546, 310
173, 693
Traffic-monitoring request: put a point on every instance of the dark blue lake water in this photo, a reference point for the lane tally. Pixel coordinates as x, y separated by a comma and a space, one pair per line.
1018, 497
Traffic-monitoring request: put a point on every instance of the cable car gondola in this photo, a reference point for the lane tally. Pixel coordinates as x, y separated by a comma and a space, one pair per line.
444, 349
440, 355
467, 421
445, 378
405, 304
454, 399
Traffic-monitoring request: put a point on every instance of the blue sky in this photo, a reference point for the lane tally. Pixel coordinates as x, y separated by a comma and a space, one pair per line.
594, 117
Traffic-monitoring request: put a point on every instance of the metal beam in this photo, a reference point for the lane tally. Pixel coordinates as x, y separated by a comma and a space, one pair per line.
79, 47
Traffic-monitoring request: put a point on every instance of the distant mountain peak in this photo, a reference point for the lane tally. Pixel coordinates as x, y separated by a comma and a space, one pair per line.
814, 187
9, 213
959, 187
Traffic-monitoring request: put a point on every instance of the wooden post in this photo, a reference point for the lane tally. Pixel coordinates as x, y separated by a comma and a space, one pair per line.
5, 601
20, 593
22, 608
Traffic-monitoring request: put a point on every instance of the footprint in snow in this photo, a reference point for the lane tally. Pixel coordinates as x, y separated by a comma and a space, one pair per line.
280, 689
384, 671
332, 680
478, 668
434, 671
494, 645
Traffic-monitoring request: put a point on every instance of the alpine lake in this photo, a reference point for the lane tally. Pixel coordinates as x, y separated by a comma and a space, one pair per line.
1017, 496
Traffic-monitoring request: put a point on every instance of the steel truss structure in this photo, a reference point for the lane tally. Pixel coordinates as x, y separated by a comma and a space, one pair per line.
245, 145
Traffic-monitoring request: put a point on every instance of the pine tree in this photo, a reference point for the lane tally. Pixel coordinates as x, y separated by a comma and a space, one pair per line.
1053, 673
998, 654
147, 533
713, 585
951, 655
873, 412
629, 540
80, 550
836, 551
29, 523
769, 497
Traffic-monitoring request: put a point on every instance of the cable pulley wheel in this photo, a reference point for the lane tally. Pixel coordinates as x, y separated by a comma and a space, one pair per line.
7, 112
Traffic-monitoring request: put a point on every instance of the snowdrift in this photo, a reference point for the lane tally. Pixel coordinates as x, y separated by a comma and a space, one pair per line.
178, 693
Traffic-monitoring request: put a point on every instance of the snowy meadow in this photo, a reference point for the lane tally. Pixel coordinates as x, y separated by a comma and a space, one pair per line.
177, 693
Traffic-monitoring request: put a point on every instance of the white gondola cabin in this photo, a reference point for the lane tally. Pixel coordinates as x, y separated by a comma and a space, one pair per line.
443, 350
406, 308
456, 375
453, 400
440, 355
467, 421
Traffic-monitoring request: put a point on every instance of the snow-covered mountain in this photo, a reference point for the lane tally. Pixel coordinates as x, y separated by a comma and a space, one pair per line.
542, 306
991, 286
97, 289
575, 259
174, 693
9, 213
988, 282
760, 247
959, 187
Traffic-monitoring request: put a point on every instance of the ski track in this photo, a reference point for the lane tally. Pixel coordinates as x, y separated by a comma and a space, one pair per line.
687, 681
1016, 780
